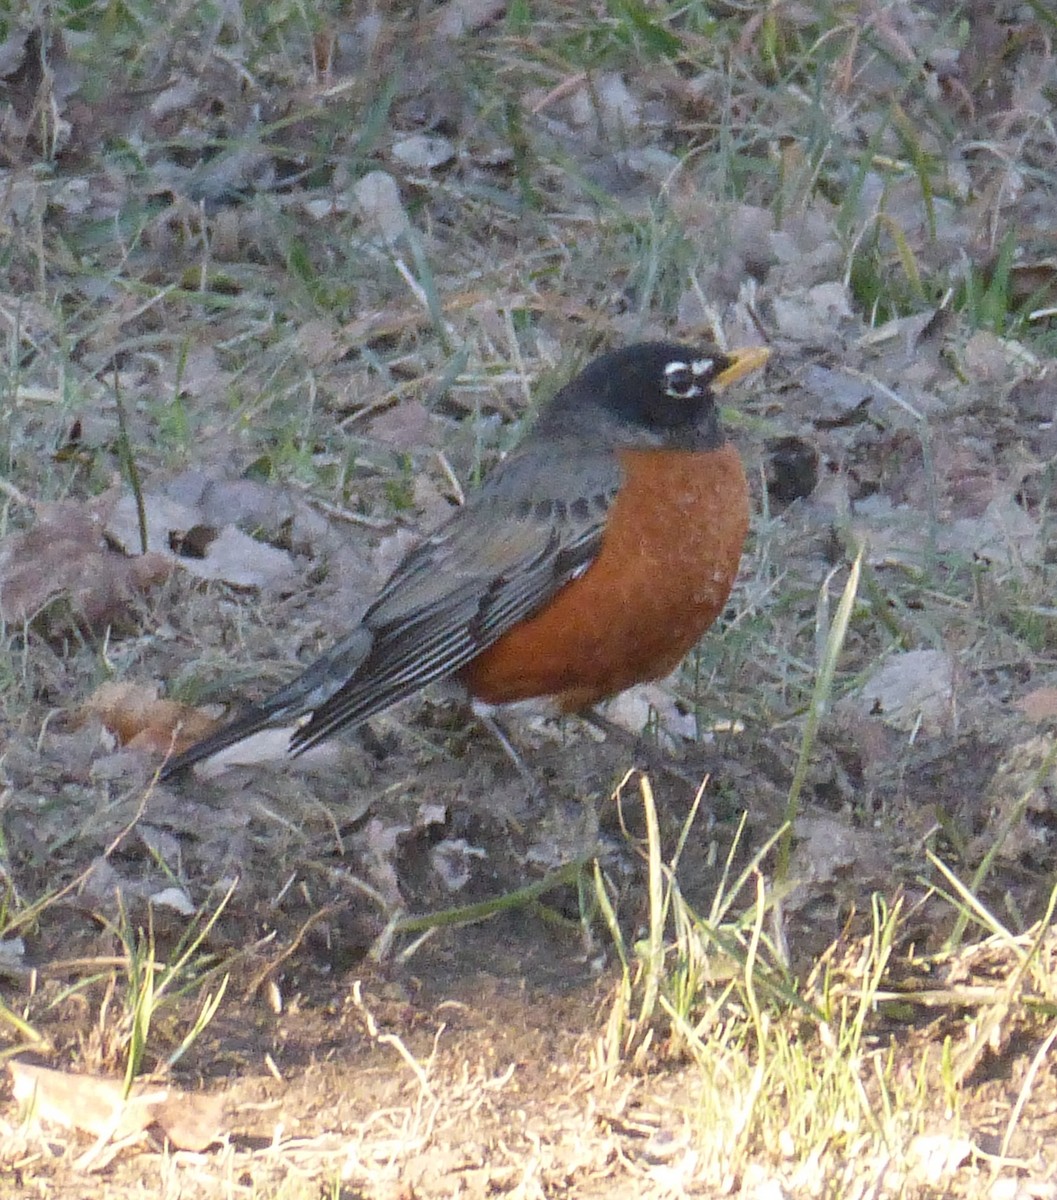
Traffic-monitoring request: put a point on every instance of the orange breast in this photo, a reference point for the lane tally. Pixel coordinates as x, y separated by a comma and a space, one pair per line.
667, 562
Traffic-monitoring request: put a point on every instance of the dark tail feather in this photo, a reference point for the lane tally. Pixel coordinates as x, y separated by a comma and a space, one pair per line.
251, 721
309, 690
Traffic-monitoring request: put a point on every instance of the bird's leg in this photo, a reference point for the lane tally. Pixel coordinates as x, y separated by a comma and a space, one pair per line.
492, 725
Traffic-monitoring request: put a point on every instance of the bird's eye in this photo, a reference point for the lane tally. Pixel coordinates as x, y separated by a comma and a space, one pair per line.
683, 381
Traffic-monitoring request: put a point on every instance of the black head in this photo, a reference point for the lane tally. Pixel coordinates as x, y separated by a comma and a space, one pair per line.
649, 394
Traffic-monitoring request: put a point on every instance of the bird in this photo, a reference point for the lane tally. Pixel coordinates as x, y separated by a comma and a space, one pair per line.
592, 558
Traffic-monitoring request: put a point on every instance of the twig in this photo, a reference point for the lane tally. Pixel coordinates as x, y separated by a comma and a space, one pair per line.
15, 494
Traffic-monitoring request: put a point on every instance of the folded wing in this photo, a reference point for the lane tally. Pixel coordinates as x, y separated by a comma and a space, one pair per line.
494, 563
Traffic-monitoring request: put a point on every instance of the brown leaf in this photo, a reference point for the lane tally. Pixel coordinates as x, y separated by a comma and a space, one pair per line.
1039, 705
98, 1106
405, 426
62, 574
39, 79
89, 1103
192, 1120
1034, 279
138, 719
801, 315
231, 555
912, 690
459, 17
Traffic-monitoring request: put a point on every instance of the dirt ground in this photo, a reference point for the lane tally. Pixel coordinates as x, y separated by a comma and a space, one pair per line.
279, 293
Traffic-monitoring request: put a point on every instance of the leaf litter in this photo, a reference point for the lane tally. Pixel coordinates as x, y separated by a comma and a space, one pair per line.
394, 285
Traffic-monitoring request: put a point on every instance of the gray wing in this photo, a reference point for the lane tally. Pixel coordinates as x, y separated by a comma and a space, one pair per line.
492, 564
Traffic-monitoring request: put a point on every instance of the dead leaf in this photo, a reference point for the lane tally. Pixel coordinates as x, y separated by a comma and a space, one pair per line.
12, 952
608, 102
652, 706
812, 314
39, 80
459, 17
423, 151
92, 1104
1025, 780
452, 860
192, 1120
381, 208
175, 898
912, 691
988, 357
406, 425
934, 1158
240, 560
135, 716
13, 52
1034, 279
905, 332
828, 847
231, 556
1039, 705
1035, 399
263, 509
842, 399
62, 574
1004, 533
320, 342
98, 1106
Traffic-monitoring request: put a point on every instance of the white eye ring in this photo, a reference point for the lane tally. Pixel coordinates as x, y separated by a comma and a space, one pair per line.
679, 377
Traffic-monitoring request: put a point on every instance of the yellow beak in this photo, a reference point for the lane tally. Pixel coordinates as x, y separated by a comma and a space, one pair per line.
742, 362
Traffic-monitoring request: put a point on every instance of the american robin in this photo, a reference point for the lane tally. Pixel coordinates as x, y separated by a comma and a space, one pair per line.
593, 558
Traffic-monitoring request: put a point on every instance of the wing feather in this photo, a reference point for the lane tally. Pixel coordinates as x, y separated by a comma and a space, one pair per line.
491, 565
494, 563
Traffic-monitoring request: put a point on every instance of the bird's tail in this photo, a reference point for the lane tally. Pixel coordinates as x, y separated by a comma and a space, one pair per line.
302, 695
251, 721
